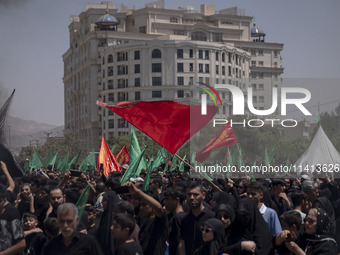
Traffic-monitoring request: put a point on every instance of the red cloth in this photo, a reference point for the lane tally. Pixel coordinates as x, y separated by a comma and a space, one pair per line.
123, 154
224, 138
169, 123
106, 158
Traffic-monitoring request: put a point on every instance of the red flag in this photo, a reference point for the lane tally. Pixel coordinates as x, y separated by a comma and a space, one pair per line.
225, 137
106, 158
167, 122
123, 154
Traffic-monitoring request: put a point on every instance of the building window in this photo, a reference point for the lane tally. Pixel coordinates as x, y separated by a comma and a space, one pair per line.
122, 83
122, 56
179, 32
216, 55
229, 70
180, 67
253, 63
156, 94
260, 63
260, 52
207, 68
137, 54
191, 67
275, 64
223, 70
217, 37
111, 123
110, 71
260, 86
156, 53
253, 76
180, 93
137, 82
180, 80
229, 57
173, 20
191, 81
142, 29
111, 97
198, 36
207, 80
137, 95
122, 96
179, 53
253, 86
275, 53
261, 99
122, 69
156, 67
191, 53
137, 68
253, 52
261, 75
122, 123
200, 54
200, 68
254, 99
223, 57
217, 67
110, 84
110, 59
156, 81
207, 54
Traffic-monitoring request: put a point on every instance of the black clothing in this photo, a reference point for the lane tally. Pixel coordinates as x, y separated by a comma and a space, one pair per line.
212, 247
11, 229
153, 234
249, 227
174, 232
327, 206
222, 197
104, 233
81, 244
132, 248
280, 206
37, 244
191, 229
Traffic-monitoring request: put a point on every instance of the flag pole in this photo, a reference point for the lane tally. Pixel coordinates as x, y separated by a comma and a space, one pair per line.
211, 183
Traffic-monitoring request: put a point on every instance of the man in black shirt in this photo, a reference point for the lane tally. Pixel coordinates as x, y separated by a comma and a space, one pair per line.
70, 241
191, 236
11, 229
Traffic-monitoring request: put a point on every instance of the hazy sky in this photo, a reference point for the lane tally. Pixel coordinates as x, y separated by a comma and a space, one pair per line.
34, 35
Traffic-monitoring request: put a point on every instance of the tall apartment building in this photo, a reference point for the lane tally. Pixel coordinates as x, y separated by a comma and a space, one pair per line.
155, 53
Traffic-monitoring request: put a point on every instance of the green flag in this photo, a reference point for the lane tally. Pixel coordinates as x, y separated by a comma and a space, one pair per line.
27, 165
181, 165
49, 156
36, 161
166, 166
271, 156
88, 162
53, 159
74, 160
63, 165
113, 148
173, 165
135, 152
318, 114
266, 157
147, 179
82, 201
133, 168
159, 160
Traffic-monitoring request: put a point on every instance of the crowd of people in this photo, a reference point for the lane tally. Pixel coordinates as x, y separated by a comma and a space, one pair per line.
40, 213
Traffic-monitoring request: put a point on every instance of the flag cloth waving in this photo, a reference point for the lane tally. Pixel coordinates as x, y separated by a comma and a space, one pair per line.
123, 155
224, 138
106, 158
169, 123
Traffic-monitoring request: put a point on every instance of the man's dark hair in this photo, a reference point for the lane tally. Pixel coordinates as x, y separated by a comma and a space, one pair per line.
255, 186
51, 226
38, 181
100, 187
125, 221
112, 185
125, 207
158, 181
195, 184
297, 196
291, 218
55, 188
90, 209
29, 215
175, 192
152, 194
72, 195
